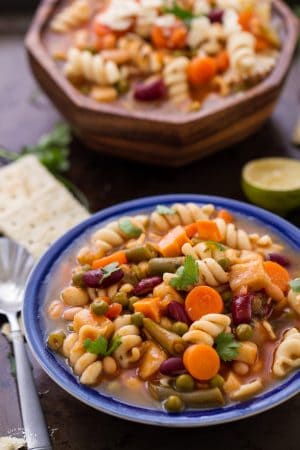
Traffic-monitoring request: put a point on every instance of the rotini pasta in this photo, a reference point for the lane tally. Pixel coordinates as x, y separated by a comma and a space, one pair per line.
141, 54
128, 352
287, 355
175, 78
207, 329
240, 49
71, 17
294, 301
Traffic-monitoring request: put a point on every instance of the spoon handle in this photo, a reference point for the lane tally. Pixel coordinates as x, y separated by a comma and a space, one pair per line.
37, 436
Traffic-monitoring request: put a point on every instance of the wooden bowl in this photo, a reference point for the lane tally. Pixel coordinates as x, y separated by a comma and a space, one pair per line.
152, 135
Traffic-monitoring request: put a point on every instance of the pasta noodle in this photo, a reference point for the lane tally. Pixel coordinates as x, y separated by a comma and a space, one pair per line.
294, 301
207, 329
71, 17
287, 355
240, 49
233, 237
128, 352
141, 53
175, 78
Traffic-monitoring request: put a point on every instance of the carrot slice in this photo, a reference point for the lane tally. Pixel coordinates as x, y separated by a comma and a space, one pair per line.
201, 361
114, 310
208, 230
245, 19
261, 44
201, 70
149, 307
203, 300
225, 215
191, 229
222, 60
171, 243
119, 257
278, 274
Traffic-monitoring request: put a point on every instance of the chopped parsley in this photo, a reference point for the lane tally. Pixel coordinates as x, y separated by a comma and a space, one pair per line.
129, 229
165, 210
227, 347
101, 347
187, 275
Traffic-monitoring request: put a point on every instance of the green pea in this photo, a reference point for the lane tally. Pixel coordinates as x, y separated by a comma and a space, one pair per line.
173, 404
137, 319
224, 263
99, 307
121, 297
131, 302
244, 332
122, 86
217, 381
77, 279
185, 383
55, 340
179, 328
227, 296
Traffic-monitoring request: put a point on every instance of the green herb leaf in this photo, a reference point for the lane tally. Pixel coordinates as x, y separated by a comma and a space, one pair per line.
183, 14
109, 269
129, 229
164, 210
187, 275
215, 246
224, 263
226, 346
295, 285
100, 346
97, 347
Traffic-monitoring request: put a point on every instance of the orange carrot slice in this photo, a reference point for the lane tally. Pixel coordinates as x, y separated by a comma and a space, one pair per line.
171, 243
225, 215
201, 361
222, 60
119, 257
114, 310
203, 300
191, 229
278, 274
149, 307
201, 70
208, 230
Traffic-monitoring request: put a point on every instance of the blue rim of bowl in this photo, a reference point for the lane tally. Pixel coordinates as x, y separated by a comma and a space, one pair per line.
62, 376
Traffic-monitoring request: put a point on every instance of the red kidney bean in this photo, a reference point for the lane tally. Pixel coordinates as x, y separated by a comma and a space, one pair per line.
241, 309
177, 312
146, 285
172, 367
280, 259
150, 90
216, 15
113, 278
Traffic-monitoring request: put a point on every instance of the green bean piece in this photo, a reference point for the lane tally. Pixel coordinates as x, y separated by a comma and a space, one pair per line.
185, 383
199, 397
122, 298
138, 254
99, 307
56, 339
173, 404
77, 279
217, 381
137, 319
224, 263
131, 302
179, 328
169, 341
244, 332
158, 266
122, 86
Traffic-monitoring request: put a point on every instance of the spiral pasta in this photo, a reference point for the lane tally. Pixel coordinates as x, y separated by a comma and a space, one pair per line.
128, 351
199, 31
240, 47
92, 68
141, 53
184, 214
71, 17
287, 355
175, 78
206, 329
233, 237
294, 301
202, 251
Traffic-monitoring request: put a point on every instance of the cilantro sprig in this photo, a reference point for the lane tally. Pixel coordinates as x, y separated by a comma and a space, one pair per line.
187, 275
213, 245
165, 210
101, 347
227, 347
183, 14
129, 228
109, 269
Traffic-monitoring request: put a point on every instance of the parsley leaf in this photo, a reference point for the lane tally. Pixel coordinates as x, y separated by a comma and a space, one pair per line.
129, 229
184, 14
295, 285
100, 346
187, 275
164, 210
109, 269
227, 347
212, 245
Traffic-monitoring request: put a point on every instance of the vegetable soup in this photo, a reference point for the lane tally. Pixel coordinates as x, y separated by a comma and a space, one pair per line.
185, 307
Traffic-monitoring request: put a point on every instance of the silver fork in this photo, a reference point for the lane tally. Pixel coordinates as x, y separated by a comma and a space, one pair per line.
15, 266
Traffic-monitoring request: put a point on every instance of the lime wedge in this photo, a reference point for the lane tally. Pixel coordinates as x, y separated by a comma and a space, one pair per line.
273, 183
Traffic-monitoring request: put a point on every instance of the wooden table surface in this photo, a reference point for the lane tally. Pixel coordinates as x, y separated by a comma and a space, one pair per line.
106, 181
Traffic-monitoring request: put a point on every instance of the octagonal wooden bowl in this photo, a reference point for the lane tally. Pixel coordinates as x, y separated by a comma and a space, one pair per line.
152, 135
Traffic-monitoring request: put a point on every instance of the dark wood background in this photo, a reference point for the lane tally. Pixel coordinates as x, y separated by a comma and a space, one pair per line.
25, 115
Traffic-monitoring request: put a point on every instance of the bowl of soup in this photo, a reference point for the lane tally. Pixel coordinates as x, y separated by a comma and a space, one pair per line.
176, 310
152, 78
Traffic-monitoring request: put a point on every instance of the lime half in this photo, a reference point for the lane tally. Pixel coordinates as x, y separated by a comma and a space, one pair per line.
273, 183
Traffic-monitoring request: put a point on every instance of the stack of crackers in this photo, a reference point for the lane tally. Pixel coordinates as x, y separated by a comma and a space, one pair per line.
35, 209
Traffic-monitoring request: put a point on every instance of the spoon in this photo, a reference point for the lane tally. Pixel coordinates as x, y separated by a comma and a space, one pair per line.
15, 266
